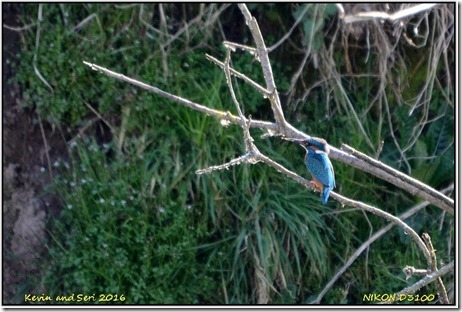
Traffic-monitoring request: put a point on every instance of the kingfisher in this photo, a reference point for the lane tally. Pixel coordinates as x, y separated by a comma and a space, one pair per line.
319, 165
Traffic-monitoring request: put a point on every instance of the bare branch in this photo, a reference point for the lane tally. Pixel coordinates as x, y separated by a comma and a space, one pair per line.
349, 202
262, 53
248, 140
367, 16
224, 116
433, 267
293, 133
363, 247
410, 270
407, 229
252, 83
234, 162
287, 35
412, 185
429, 278
251, 149
233, 46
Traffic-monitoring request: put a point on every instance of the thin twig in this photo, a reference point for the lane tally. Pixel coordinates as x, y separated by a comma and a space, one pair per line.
251, 149
287, 35
272, 128
392, 132
99, 115
19, 29
407, 229
234, 72
85, 21
227, 116
442, 294
369, 242
140, 18
429, 278
236, 161
410, 271
243, 47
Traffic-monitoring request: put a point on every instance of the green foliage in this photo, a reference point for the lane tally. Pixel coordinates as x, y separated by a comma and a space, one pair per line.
344, 76
138, 221
314, 22
61, 51
121, 231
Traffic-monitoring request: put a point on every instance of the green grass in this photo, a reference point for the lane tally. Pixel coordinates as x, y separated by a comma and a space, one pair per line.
138, 221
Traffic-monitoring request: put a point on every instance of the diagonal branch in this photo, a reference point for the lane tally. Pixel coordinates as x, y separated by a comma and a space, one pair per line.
221, 115
369, 242
418, 188
429, 278
252, 83
363, 247
291, 132
349, 202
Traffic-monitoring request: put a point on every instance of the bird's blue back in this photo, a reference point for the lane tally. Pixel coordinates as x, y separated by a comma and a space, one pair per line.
319, 165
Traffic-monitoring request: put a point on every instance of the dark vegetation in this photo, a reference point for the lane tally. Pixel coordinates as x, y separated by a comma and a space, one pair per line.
134, 217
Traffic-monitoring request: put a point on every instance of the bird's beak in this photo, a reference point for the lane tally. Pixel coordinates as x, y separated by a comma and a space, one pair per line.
301, 142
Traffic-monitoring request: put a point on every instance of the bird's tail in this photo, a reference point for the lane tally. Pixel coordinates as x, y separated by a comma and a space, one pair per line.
325, 194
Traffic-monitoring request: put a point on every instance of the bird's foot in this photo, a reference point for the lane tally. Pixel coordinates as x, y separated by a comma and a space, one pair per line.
315, 186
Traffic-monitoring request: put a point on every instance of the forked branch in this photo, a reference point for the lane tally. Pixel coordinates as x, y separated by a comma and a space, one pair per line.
282, 128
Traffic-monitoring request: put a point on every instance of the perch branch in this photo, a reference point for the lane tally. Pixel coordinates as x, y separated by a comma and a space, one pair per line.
415, 186
291, 132
389, 217
363, 247
257, 156
281, 127
349, 202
